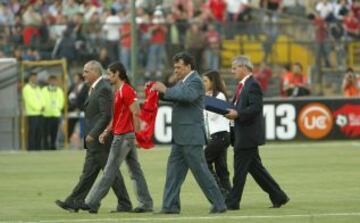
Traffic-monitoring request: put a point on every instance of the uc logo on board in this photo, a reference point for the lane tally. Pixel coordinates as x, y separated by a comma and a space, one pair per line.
315, 120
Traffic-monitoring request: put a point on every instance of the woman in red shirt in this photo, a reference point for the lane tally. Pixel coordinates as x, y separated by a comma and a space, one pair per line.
124, 124
298, 85
349, 85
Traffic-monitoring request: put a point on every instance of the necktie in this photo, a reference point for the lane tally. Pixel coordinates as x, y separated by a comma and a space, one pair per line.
237, 92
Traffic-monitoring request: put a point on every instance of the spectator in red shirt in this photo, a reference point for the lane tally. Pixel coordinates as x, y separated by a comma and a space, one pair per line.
143, 21
218, 9
157, 53
321, 36
286, 75
212, 52
355, 8
125, 42
297, 82
351, 25
124, 124
195, 43
32, 21
349, 85
263, 74
298, 78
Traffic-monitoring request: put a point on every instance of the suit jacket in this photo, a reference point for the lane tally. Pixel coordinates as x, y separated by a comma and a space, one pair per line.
187, 115
249, 129
98, 112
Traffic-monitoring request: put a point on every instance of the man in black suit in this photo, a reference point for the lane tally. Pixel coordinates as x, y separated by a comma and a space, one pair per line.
248, 134
98, 113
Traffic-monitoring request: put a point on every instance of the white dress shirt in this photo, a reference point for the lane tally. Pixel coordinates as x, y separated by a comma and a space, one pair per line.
94, 85
215, 122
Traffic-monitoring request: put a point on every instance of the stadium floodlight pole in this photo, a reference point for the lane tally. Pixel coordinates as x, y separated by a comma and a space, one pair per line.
133, 44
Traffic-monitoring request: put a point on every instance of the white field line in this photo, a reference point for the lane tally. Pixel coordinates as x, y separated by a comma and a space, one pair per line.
316, 144
197, 218
268, 145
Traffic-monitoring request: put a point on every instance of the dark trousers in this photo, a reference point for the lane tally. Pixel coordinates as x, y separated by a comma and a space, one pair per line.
50, 130
94, 162
249, 161
322, 54
113, 49
198, 56
71, 125
216, 155
34, 132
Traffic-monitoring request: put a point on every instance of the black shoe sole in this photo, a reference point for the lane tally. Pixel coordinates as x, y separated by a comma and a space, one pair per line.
61, 205
280, 204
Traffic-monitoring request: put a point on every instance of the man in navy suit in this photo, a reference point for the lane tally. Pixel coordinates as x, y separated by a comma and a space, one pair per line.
188, 137
249, 133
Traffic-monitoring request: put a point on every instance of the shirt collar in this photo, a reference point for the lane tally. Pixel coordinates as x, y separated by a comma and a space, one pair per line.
96, 82
245, 78
187, 76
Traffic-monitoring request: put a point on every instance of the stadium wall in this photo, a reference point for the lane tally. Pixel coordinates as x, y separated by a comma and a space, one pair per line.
305, 119
9, 105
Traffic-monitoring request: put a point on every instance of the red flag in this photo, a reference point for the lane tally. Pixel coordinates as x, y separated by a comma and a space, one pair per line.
147, 117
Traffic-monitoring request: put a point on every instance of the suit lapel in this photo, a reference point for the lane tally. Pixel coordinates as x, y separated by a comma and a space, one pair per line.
243, 93
87, 100
93, 92
192, 75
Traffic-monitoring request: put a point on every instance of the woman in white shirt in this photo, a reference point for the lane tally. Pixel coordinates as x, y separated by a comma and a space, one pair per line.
217, 127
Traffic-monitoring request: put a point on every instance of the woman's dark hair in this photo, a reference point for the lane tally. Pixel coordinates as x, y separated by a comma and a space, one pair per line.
119, 67
186, 57
287, 67
349, 70
80, 76
217, 83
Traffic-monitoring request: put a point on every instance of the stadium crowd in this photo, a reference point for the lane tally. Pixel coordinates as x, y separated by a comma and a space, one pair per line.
79, 30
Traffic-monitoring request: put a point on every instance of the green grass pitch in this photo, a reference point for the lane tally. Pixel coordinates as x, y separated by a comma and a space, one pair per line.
322, 179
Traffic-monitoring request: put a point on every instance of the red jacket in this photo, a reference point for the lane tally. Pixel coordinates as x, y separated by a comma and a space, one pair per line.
148, 116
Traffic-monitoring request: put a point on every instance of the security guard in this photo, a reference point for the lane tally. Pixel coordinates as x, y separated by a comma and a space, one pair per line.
54, 102
34, 106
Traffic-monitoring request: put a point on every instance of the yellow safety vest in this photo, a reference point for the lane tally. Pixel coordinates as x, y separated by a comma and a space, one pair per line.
32, 99
53, 100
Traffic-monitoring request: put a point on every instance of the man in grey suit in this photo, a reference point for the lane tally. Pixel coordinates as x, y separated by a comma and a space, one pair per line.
188, 137
98, 113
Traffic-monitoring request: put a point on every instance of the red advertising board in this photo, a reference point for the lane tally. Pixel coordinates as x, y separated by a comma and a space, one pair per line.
293, 119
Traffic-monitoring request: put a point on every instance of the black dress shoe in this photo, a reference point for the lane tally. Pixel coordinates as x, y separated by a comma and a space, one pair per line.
167, 212
217, 211
278, 205
142, 210
66, 206
86, 207
231, 207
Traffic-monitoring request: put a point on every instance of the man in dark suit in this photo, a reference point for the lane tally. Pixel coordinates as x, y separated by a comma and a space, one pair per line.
248, 134
98, 113
188, 137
